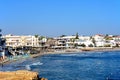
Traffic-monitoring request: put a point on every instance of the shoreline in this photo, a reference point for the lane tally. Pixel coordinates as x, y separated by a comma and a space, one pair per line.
77, 51
67, 51
62, 52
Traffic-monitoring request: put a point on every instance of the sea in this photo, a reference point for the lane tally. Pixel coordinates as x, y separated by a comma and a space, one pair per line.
103, 65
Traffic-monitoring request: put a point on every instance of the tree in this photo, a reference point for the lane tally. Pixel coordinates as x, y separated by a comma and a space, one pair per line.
3, 41
0, 30
63, 35
94, 42
36, 36
90, 45
91, 37
83, 45
41, 41
41, 37
75, 45
117, 45
72, 40
107, 37
77, 36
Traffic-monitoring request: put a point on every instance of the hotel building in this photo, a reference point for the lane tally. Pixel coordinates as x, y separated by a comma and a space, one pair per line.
20, 41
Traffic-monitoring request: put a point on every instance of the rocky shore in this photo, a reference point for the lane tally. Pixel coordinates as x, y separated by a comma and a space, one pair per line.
20, 75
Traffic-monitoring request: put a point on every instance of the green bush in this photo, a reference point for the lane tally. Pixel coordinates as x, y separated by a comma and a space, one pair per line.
83, 45
90, 45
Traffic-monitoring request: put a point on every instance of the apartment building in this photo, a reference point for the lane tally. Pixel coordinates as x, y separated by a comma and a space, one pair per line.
60, 43
72, 42
20, 41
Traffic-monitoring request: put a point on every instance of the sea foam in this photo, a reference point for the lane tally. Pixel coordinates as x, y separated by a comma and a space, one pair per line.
37, 63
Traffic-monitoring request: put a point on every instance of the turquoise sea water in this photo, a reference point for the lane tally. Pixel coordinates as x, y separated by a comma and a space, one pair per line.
74, 66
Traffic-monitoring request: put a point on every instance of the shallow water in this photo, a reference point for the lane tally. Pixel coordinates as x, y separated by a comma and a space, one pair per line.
74, 66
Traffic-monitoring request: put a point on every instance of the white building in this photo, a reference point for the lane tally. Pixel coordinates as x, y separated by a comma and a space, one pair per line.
60, 43
117, 40
99, 40
99, 37
87, 43
71, 42
19, 41
84, 38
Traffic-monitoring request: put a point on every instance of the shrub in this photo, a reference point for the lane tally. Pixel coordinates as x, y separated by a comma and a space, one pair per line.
83, 45
90, 45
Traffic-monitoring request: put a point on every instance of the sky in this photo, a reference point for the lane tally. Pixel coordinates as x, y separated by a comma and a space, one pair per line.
58, 17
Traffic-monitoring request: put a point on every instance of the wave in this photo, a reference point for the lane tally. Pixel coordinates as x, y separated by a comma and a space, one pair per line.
37, 63
28, 67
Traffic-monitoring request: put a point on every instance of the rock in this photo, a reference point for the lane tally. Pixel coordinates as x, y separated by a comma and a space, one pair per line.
43, 79
20, 75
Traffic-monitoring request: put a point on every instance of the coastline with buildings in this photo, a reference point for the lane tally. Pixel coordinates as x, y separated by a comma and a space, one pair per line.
16, 45
65, 42
59, 39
